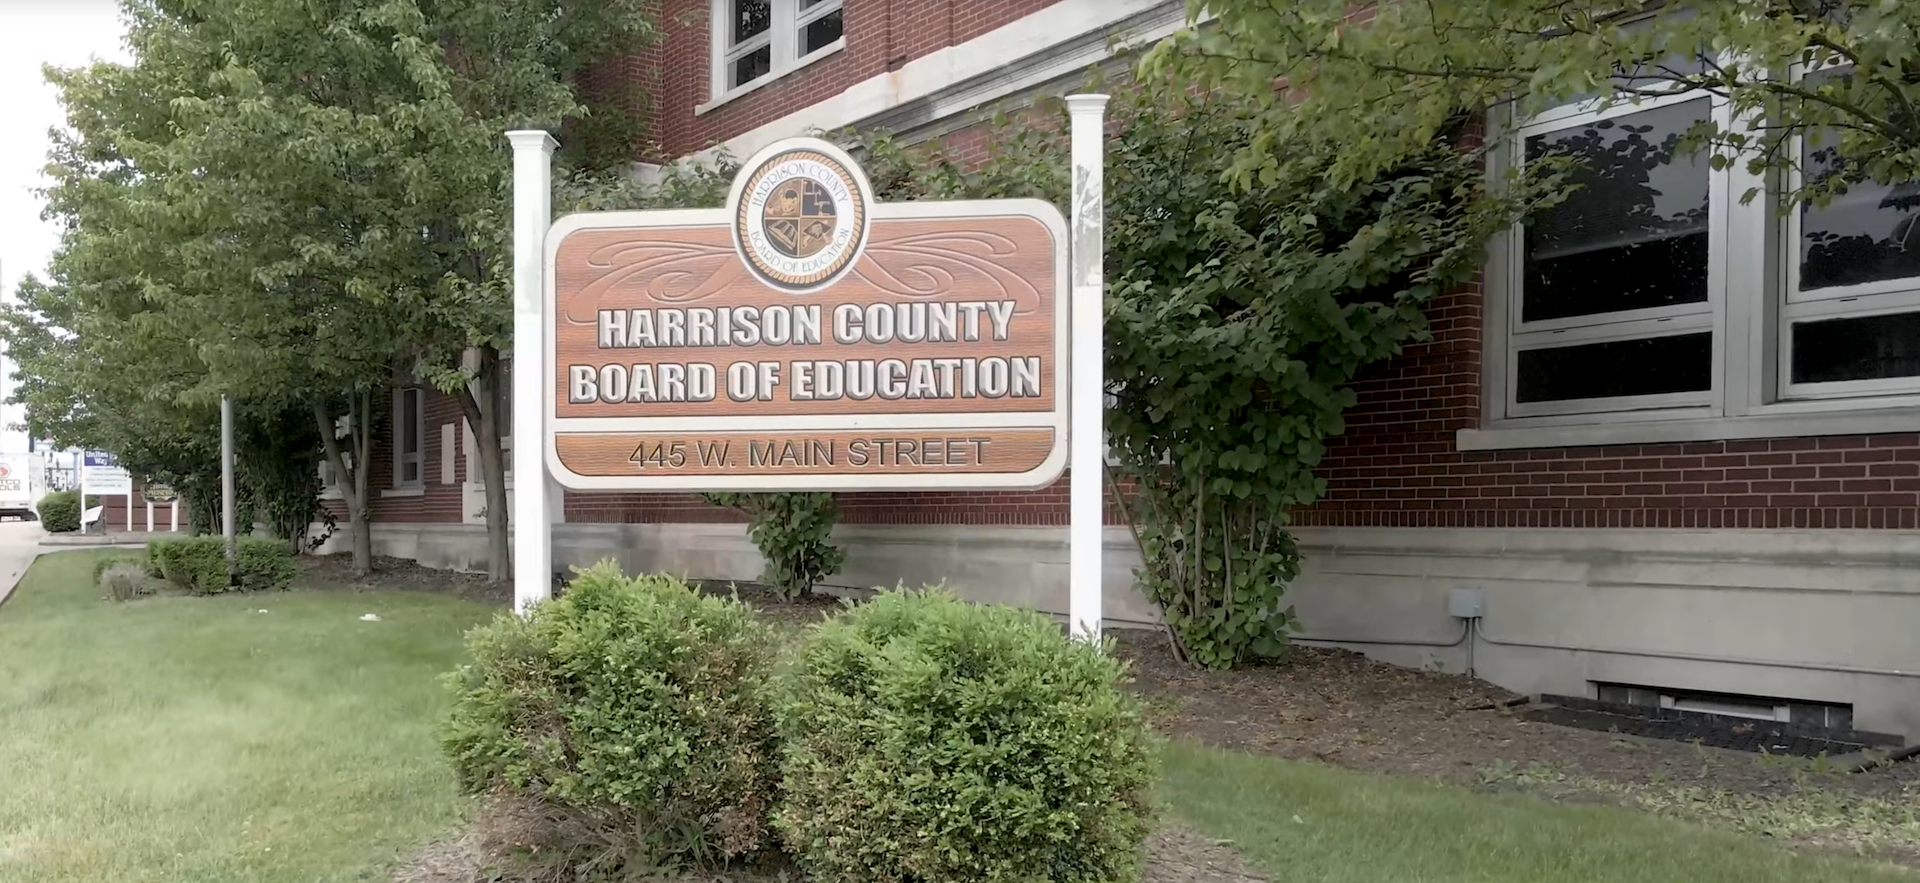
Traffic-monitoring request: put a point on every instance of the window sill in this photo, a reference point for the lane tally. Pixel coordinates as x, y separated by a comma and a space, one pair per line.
773, 76
412, 490
332, 493
1788, 420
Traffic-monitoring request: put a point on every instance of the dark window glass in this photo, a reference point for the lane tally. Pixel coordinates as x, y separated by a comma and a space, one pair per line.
410, 421
1863, 348
1650, 366
752, 66
820, 32
1633, 234
1865, 235
751, 18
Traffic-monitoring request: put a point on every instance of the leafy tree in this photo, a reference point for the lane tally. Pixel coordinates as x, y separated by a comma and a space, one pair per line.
325, 188
1237, 318
1383, 80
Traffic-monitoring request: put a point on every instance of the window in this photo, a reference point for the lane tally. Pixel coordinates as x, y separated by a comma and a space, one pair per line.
1612, 292
758, 40
1657, 304
1852, 306
409, 438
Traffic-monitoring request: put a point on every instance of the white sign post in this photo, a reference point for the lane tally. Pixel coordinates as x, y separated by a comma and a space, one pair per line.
532, 518
808, 336
1086, 542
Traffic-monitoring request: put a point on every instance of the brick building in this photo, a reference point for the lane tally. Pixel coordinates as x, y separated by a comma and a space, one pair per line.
1673, 440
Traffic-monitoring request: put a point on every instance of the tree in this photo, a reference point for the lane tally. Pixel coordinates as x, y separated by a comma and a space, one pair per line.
1385, 79
327, 185
1237, 316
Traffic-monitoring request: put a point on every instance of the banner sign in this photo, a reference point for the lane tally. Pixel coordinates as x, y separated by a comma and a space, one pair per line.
808, 337
101, 475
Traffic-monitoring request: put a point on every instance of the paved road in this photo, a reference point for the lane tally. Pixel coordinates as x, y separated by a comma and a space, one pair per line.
19, 545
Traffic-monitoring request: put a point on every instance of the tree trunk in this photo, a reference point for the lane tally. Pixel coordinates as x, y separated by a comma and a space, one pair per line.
350, 478
481, 400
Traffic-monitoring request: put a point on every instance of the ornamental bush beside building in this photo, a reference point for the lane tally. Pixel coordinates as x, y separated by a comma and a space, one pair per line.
925, 738
634, 711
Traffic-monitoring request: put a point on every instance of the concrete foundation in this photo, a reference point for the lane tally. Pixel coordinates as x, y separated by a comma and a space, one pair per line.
1812, 616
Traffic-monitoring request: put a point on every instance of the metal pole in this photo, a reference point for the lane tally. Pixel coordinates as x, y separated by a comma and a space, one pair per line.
533, 496
1086, 435
80, 475
229, 512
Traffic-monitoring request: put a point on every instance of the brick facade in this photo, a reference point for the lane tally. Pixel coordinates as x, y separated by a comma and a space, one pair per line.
1396, 465
881, 36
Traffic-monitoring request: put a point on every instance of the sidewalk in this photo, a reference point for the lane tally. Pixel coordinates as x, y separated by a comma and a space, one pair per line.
134, 538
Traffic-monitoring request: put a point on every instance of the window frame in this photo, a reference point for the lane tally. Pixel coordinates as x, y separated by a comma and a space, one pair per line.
1507, 288
400, 456
1886, 297
782, 37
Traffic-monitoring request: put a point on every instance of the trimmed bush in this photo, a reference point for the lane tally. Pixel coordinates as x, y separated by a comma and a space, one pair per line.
636, 710
60, 512
265, 564
199, 564
929, 739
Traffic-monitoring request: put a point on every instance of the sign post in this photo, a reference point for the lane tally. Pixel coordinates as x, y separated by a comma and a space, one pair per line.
808, 337
1086, 598
532, 517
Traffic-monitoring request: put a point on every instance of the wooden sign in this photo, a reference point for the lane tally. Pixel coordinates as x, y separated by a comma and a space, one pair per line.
808, 337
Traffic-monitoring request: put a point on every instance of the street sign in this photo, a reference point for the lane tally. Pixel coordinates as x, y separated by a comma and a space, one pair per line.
808, 337
101, 475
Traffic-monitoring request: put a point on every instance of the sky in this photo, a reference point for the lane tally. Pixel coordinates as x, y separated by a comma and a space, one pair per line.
64, 33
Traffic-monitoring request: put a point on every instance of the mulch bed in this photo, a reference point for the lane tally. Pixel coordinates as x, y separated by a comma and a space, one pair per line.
1339, 707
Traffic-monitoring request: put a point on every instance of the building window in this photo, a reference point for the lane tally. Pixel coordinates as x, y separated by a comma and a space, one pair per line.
409, 438
1852, 306
1658, 296
762, 39
1613, 290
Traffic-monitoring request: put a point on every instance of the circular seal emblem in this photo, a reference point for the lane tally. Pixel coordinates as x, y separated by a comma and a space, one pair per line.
800, 214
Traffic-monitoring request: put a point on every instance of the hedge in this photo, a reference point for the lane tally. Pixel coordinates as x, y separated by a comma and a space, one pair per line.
199, 564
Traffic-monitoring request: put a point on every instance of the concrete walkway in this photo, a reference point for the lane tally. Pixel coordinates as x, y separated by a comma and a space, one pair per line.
19, 545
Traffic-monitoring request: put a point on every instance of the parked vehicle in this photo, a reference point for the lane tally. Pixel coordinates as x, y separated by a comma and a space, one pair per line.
16, 486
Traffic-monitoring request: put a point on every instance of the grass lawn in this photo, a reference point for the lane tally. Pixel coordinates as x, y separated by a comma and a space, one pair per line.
1305, 823
199, 739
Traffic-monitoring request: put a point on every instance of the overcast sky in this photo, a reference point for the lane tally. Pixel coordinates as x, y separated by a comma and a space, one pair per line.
32, 33
65, 33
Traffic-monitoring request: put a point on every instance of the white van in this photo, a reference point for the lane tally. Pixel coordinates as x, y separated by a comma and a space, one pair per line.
16, 486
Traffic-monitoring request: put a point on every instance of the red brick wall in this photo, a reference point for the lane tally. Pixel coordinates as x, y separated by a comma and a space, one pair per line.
1396, 465
881, 36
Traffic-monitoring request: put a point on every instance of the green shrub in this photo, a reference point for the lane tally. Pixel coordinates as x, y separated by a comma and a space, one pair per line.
928, 739
637, 710
192, 564
265, 564
123, 580
199, 564
60, 512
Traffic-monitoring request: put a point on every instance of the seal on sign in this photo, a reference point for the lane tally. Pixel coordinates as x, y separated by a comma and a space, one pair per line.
800, 215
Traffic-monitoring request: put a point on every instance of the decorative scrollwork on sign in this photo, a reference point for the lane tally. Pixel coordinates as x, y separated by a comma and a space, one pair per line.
922, 265
669, 272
